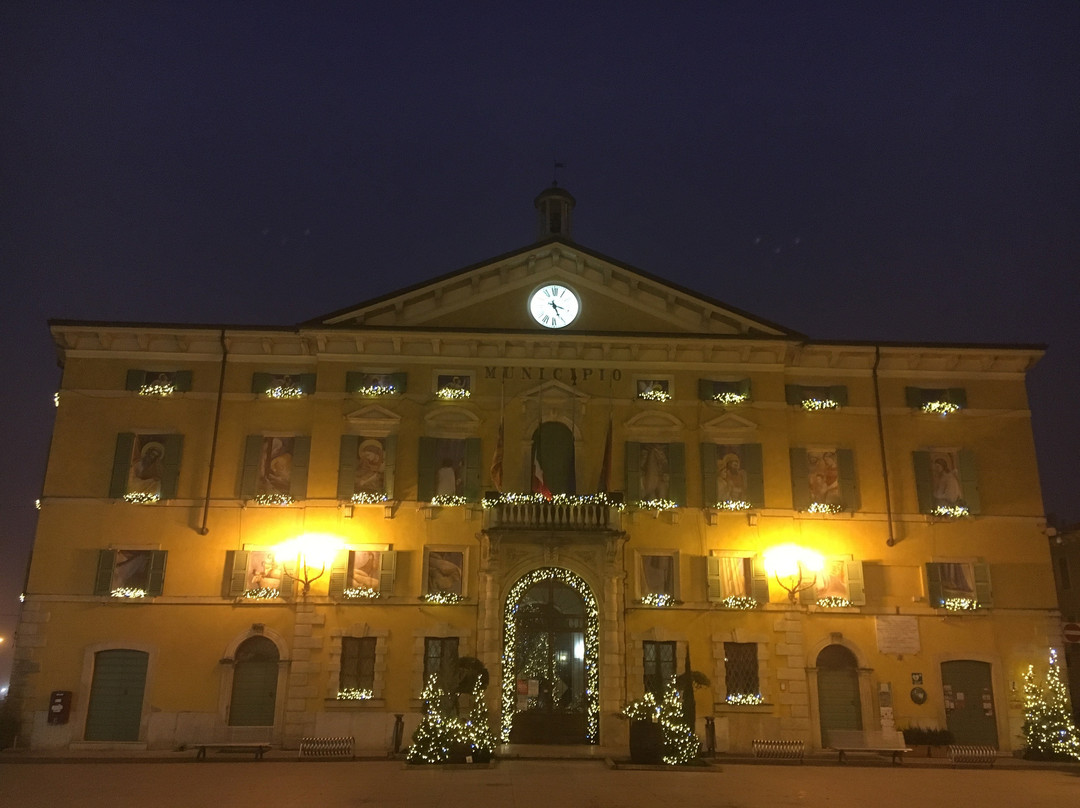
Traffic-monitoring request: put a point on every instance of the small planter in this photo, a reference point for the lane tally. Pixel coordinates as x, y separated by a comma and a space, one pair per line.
646, 743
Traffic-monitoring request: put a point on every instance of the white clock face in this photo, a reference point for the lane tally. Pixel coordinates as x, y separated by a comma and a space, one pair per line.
554, 306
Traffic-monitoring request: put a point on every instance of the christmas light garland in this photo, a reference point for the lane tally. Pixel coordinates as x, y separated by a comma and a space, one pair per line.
354, 694
960, 604
592, 648
733, 505
657, 504
950, 511
272, 499
361, 593
56, 399
739, 602
730, 399
141, 497
368, 498
816, 404
262, 593
654, 395
452, 393
281, 391
643, 709
448, 500
556, 499
833, 602
158, 389
940, 407
658, 599
375, 390
442, 598
745, 699
824, 507
681, 744
127, 592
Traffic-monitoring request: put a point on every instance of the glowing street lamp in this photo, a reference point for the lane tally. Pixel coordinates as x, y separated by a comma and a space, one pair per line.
791, 564
310, 550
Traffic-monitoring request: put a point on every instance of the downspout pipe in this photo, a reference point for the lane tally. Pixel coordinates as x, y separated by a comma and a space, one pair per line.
881, 443
213, 440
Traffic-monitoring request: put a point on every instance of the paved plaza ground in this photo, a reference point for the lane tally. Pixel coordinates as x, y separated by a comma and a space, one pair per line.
239, 783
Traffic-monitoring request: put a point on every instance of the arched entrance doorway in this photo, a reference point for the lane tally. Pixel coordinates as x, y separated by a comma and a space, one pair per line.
838, 690
254, 687
550, 677
553, 452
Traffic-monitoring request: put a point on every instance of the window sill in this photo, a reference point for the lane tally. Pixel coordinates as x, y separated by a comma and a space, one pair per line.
724, 707
355, 704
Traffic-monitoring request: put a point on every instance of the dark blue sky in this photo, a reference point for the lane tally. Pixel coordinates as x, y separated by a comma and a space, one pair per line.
848, 172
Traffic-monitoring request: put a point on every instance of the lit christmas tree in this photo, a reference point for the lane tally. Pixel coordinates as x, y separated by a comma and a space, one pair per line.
438, 733
681, 745
1048, 726
476, 731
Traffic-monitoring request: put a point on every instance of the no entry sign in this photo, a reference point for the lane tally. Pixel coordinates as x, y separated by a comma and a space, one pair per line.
1070, 632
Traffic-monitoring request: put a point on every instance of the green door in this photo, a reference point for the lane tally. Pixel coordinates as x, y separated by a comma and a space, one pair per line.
116, 695
838, 691
254, 691
969, 702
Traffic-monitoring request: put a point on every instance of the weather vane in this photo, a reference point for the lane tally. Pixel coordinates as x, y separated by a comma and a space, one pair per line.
555, 173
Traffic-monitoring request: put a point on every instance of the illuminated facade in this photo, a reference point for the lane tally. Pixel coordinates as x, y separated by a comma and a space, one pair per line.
576, 472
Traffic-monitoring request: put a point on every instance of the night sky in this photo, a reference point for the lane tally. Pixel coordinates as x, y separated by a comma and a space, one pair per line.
846, 172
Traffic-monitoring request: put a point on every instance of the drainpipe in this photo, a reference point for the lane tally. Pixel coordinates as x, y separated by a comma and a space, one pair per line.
881, 443
213, 440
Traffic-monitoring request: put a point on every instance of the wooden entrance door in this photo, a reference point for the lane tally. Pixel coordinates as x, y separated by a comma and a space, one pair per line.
969, 702
254, 690
114, 712
838, 691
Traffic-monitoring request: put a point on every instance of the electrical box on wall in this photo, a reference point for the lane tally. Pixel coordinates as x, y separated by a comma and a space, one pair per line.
59, 706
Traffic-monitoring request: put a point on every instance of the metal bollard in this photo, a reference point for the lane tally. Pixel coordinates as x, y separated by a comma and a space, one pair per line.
399, 730
710, 736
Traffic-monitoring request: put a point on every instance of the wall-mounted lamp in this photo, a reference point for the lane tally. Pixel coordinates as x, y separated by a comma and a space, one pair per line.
310, 551
795, 568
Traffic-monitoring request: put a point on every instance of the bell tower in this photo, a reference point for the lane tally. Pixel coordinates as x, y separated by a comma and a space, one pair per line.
554, 205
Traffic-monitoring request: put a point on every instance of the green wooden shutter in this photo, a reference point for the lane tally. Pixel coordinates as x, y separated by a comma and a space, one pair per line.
425, 472
103, 576
632, 462
969, 481
794, 393
347, 459
253, 446
306, 382
390, 442
387, 571
957, 396
339, 572
856, 583
706, 389
759, 580
800, 480
742, 387
236, 562
708, 474
156, 580
288, 584
755, 474
473, 465
933, 585
400, 382
924, 480
135, 379
712, 573
983, 593
121, 464
298, 478
807, 596
849, 483
915, 397
677, 472
353, 380
261, 382
174, 446
182, 381
838, 393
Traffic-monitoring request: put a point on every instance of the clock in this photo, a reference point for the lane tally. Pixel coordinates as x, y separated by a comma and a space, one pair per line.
554, 305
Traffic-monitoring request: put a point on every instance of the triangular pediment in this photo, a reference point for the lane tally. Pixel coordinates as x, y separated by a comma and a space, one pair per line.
729, 428
373, 420
493, 295
653, 427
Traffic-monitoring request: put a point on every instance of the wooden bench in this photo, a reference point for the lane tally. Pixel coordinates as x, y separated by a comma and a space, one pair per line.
858, 740
329, 747
779, 750
978, 755
259, 749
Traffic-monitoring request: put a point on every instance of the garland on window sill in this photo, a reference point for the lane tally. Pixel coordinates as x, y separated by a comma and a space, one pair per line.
657, 504
658, 599
745, 699
556, 499
285, 392
816, 404
272, 499
452, 393
950, 511
654, 395
833, 602
731, 399
960, 604
824, 507
442, 598
361, 593
940, 407
141, 497
127, 592
368, 498
354, 694
733, 505
448, 500
739, 602
262, 593
376, 390
159, 390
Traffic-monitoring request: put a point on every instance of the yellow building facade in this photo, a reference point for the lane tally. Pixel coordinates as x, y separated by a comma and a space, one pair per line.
580, 474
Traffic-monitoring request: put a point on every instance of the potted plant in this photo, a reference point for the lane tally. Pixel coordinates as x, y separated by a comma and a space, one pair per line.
646, 734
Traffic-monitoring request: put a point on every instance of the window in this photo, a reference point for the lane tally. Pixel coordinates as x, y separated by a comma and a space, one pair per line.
145, 467
366, 468
840, 583
440, 657
737, 581
658, 659
363, 574
130, 573
275, 469
732, 477
157, 383
946, 482
823, 480
811, 398
655, 474
283, 385
375, 384
658, 577
357, 677
654, 389
449, 470
939, 401
444, 573
741, 673
959, 585
726, 393
256, 575
453, 386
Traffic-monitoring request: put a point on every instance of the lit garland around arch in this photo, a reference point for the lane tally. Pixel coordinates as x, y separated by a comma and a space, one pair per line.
592, 648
